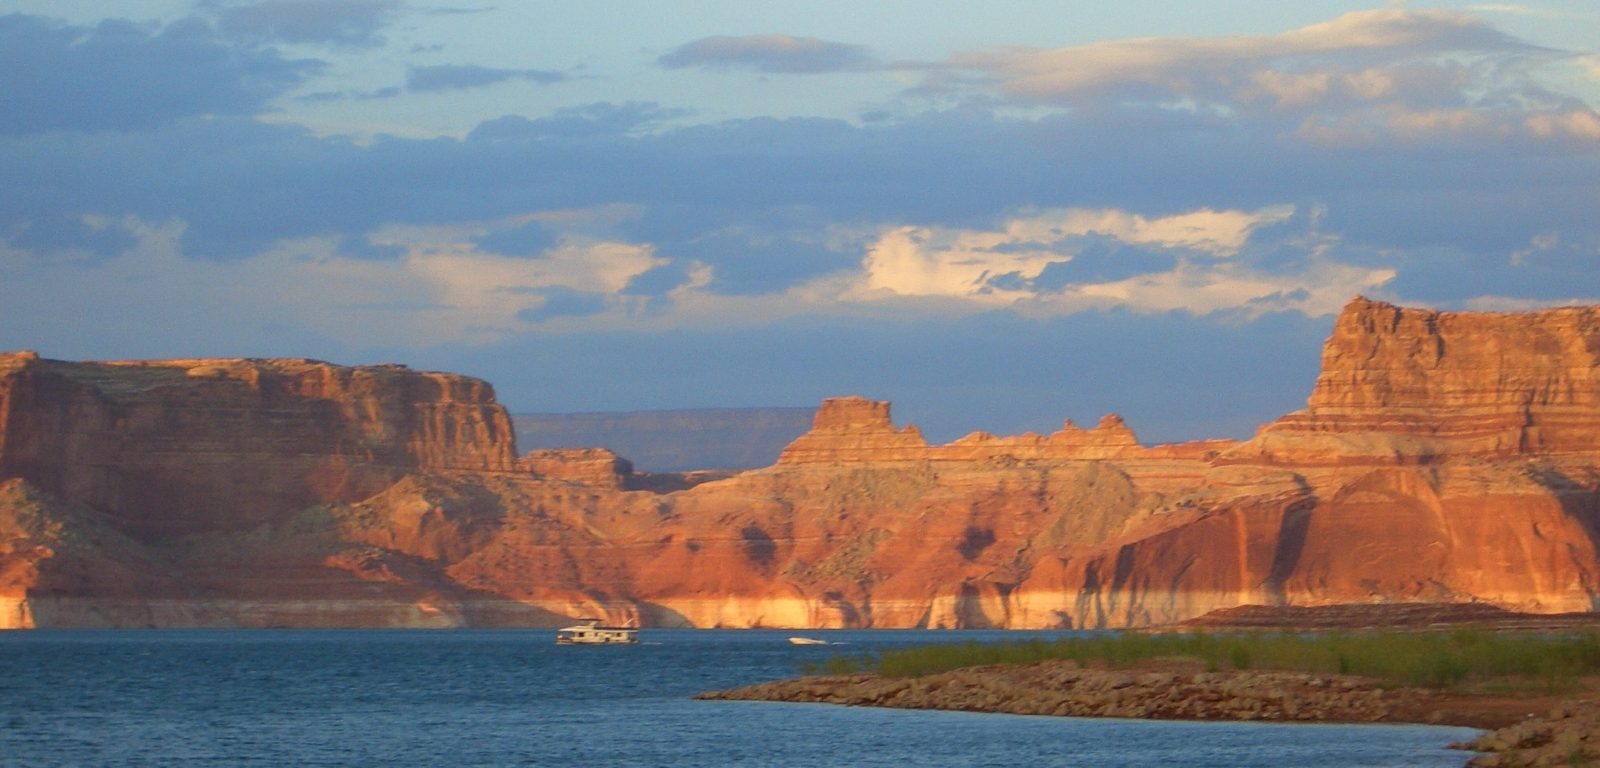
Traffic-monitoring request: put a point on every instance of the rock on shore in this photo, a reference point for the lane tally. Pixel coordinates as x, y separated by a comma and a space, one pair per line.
1568, 735
1183, 690
1065, 689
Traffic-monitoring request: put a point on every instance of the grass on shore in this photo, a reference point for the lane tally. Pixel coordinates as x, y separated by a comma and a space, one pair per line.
1433, 659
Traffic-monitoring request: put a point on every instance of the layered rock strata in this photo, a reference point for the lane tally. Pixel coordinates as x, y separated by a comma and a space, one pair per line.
198, 444
1442, 458
858, 430
1414, 386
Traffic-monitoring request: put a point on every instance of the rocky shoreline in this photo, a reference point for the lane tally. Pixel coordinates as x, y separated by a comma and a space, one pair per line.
1180, 690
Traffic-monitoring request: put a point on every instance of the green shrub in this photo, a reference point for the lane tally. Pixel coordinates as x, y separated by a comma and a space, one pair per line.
1436, 659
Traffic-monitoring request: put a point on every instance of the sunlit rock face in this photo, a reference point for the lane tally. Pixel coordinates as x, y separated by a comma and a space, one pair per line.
1413, 386
1442, 457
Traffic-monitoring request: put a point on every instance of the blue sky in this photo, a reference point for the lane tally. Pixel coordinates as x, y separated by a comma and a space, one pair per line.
996, 215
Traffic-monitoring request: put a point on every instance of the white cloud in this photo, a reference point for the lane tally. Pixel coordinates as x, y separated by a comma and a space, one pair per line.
1318, 290
1362, 77
1577, 123
965, 264
1188, 66
918, 261
1542, 242
441, 290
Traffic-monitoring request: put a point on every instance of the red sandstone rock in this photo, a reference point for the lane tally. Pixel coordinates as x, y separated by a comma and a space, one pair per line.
854, 429
1414, 385
186, 445
590, 466
1443, 457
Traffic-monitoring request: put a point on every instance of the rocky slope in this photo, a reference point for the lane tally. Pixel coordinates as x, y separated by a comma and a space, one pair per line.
1442, 457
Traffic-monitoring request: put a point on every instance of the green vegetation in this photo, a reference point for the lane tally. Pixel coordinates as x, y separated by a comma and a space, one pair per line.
1433, 659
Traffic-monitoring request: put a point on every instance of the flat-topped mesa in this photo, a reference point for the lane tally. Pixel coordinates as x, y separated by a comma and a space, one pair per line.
1403, 385
855, 430
585, 466
218, 443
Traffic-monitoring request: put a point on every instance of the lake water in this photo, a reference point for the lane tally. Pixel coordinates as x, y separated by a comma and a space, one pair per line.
514, 698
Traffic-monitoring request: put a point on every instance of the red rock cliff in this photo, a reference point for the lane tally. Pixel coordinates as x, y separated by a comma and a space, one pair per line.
1442, 457
189, 445
1411, 385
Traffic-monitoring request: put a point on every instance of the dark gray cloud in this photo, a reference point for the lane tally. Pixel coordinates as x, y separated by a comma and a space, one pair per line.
451, 77
119, 75
780, 54
589, 122
355, 23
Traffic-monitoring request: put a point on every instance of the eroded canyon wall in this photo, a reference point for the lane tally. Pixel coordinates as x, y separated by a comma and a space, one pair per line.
190, 445
1414, 385
1442, 457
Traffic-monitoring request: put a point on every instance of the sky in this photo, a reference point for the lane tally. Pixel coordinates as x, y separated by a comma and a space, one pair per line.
995, 215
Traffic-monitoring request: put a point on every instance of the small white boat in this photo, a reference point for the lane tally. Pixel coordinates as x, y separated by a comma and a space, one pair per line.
806, 641
592, 632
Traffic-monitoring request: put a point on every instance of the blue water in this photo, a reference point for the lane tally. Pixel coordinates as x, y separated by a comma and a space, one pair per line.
512, 697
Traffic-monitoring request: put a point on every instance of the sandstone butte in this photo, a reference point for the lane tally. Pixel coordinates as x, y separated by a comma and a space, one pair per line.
1441, 458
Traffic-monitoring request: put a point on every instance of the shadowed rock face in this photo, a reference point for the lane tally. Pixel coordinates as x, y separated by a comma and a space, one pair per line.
181, 446
1441, 458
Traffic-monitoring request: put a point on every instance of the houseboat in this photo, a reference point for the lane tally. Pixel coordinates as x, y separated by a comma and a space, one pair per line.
592, 632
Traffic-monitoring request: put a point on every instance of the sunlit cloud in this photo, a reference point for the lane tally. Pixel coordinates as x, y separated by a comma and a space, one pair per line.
1578, 124
1001, 266
441, 287
1197, 66
1319, 289
1366, 75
